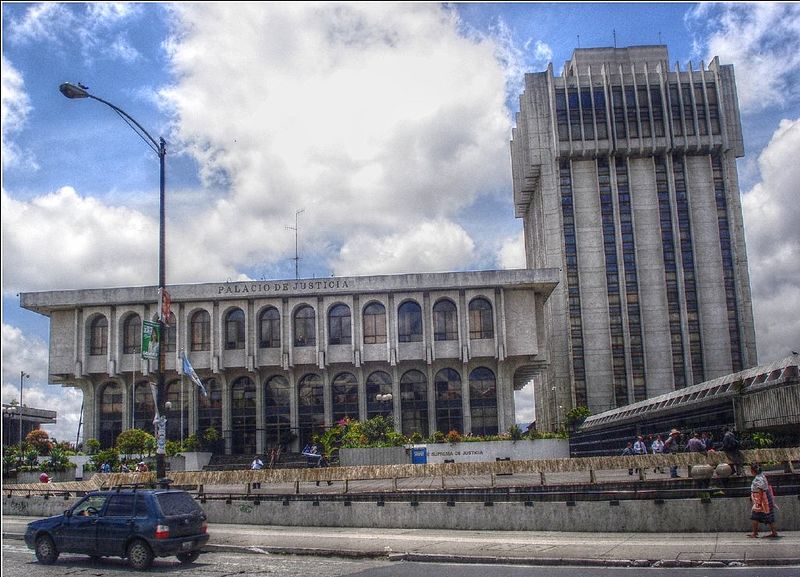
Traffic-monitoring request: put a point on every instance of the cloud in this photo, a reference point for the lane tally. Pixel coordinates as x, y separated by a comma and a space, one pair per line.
90, 244
99, 28
16, 106
366, 120
429, 246
771, 215
761, 39
21, 353
512, 252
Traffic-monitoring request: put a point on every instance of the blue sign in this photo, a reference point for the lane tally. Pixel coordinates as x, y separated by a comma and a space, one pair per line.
419, 455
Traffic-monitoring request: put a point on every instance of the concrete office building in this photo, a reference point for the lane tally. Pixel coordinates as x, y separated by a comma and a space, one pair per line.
438, 351
624, 174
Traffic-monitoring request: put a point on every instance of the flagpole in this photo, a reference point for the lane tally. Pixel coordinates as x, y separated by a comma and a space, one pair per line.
182, 379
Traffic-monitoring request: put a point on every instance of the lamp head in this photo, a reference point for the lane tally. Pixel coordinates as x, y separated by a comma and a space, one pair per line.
73, 91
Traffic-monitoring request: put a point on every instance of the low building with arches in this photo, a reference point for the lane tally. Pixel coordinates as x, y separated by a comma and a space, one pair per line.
283, 360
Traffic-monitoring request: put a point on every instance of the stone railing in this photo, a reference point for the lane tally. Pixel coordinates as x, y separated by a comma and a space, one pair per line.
542, 467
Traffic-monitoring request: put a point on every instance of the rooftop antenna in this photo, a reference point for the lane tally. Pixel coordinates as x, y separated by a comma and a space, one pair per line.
614, 31
659, 36
296, 258
579, 40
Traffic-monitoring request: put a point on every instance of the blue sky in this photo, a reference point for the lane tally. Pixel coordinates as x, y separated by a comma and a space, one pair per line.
404, 110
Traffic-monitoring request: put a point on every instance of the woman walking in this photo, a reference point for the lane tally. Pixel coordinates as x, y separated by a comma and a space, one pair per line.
763, 505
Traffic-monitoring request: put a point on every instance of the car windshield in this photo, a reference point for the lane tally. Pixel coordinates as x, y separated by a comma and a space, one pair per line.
91, 505
177, 503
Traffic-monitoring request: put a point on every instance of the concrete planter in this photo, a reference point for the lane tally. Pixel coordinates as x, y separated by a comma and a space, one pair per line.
189, 461
479, 452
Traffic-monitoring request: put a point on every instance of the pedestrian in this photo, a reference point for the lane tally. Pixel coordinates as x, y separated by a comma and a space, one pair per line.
731, 445
626, 452
763, 509
657, 448
142, 467
671, 447
44, 478
124, 468
695, 445
639, 448
323, 462
105, 468
256, 465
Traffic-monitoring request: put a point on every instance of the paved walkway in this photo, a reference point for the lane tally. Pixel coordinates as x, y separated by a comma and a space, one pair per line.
510, 547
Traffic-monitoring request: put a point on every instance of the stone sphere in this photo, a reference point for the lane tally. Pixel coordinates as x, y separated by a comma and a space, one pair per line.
702, 471
723, 470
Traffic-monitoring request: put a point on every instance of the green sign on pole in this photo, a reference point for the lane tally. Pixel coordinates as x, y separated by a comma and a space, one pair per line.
150, 340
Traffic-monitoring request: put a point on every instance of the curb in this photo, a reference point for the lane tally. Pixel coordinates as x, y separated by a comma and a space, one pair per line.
488, 560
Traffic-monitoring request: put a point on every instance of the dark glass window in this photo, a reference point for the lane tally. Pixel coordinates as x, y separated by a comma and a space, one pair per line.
379, 383
445, 321
483, 401
449, 412
339, 325
345, 397
200, 328
98, 336
170, 339
209, 411
277, 416
409, 323
374, 324
234, 329
243, 416
131, 334
178, 413
305, 327
269, 329
110, 414
311, 408
414, 403
143, 407
481, 319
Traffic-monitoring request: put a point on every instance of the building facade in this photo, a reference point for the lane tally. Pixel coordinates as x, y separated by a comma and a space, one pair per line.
624, 175
283, 360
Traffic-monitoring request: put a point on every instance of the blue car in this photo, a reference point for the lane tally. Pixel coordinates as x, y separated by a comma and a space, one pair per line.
137, 524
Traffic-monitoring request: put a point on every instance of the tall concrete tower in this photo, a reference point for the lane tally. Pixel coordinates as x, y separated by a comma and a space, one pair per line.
625, 178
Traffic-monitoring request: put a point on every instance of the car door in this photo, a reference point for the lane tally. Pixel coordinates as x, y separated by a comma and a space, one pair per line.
116, 524
79, 531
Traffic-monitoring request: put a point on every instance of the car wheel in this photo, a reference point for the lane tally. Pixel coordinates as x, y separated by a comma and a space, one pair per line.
139, 555
46, 551
189, 557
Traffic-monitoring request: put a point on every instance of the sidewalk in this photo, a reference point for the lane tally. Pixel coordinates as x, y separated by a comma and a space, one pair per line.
499, 547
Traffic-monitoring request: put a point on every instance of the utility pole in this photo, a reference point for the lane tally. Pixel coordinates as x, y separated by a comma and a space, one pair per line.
296, 258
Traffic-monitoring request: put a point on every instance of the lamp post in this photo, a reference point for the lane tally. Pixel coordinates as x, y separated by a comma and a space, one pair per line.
78, 91
22, 375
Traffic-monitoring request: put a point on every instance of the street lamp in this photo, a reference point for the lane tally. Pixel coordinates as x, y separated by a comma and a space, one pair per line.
22, 375
78, 91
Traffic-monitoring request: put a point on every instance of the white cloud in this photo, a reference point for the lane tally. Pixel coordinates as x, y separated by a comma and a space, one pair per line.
99, 28
16, 106
771, 214
366, 120
429, 246
90, 244
21, 353
512, 252
761, 39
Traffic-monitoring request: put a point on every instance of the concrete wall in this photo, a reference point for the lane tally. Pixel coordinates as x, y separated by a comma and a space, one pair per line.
676, 515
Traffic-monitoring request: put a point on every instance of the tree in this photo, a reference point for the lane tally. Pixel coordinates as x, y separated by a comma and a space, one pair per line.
39, 440
134, 441
92, 446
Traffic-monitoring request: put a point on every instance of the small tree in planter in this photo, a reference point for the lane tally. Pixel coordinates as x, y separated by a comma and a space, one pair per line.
92, 446
39, 440
134, 441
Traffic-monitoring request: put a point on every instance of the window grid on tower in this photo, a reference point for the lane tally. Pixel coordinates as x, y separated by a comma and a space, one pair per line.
573, 286
687, 261
670, 273
727, 263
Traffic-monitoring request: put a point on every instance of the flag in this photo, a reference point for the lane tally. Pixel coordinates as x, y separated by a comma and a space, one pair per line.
166, 303
189, 370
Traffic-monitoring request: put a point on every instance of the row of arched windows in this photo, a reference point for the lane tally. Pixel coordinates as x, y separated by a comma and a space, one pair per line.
413, 405
409, 327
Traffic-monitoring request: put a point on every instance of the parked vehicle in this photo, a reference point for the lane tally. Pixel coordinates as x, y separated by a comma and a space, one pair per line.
133, 523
